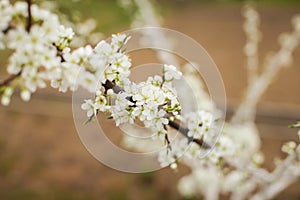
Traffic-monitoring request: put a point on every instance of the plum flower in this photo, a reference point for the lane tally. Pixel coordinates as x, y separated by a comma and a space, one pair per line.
171, 73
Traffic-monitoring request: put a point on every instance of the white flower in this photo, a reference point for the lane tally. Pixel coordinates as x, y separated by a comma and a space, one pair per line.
101, 102
156, 80
160, 118
17, 37
233, 180
90, 107
20, 8
104, 49
120, 62
68, 77
120, 116
187, 186
289, 147
199, 123
5, 100
180, 146
166, 158
65, 36
65, 32
171, 73
118, 41
88, 81
50, 61
79, 56
119, 110
296, 23
25, 95
245, 137
148, 113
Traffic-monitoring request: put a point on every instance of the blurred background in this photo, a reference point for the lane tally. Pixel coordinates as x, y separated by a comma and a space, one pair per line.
41, 156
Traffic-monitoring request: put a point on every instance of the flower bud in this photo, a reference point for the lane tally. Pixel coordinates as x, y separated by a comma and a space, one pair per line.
25, 95
5, 100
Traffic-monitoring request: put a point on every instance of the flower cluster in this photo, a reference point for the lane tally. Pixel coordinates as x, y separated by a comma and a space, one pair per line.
198, 123
70, 68
41, 53
170, 156
200, 126
86, 66
291, 146
153, 102
37, 41
110, 56
5, 16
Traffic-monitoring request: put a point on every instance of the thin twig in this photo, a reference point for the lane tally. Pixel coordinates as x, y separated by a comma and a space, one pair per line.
8, 28
10, 79
59, 53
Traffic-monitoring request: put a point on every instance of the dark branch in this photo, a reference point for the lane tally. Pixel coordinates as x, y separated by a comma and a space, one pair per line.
8, 28
184, 131
112, 85
10, 79
29, 17
60, 53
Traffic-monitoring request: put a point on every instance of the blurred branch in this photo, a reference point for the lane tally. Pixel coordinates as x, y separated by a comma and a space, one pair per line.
273, 64
11, 78
253, 36
147, 17
284, 175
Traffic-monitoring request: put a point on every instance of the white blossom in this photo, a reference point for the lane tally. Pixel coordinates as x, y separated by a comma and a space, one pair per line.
171, 73
199, 123
90, 107
25, 95
166, 158
289, 147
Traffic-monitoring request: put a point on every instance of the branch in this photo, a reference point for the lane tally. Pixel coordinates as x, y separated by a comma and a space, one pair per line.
283, 176
246, 110
184, 131
10, 79
275, 187
112, 85
176, 125
253, 35
29, 17
8, 28
148, 17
